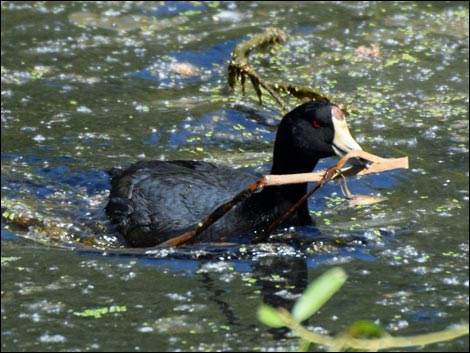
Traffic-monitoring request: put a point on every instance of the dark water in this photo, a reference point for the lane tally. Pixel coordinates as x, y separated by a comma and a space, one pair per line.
89, 86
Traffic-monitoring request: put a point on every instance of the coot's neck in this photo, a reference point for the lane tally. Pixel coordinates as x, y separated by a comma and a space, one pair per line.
293, 153
293, 192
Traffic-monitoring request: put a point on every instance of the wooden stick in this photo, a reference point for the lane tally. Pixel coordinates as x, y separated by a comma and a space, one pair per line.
279, 220
378, 165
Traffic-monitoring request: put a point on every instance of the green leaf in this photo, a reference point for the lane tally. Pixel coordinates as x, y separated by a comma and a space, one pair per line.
365, 329
318, 293
269, 316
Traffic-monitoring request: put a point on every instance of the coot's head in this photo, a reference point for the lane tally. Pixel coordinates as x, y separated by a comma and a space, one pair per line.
311, 131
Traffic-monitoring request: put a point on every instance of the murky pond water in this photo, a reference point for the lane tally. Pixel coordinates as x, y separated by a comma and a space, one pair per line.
87, 86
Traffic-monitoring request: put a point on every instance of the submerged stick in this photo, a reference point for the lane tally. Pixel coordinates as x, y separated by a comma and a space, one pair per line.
378, 165
239, 70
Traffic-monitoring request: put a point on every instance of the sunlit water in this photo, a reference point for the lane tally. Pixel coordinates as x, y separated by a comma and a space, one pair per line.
90, 86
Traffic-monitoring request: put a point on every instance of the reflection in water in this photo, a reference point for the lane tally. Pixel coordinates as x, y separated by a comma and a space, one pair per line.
215, 295
282, 279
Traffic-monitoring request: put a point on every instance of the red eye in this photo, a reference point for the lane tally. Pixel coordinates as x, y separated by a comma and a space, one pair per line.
315, 124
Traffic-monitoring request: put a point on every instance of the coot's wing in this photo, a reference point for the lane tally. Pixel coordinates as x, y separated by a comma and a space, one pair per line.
153, 201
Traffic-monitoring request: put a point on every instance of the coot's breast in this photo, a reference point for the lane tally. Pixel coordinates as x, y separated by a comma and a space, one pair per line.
153, 201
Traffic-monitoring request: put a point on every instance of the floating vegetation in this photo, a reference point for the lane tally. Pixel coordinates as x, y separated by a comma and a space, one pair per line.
8, 259
99, 312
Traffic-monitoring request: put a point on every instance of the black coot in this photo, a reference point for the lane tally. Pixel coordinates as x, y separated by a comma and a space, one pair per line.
153, 201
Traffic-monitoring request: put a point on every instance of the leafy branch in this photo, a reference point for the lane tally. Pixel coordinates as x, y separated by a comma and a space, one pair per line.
317, 294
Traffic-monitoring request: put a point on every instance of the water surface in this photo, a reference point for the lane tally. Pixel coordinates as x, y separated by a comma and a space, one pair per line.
87, 86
